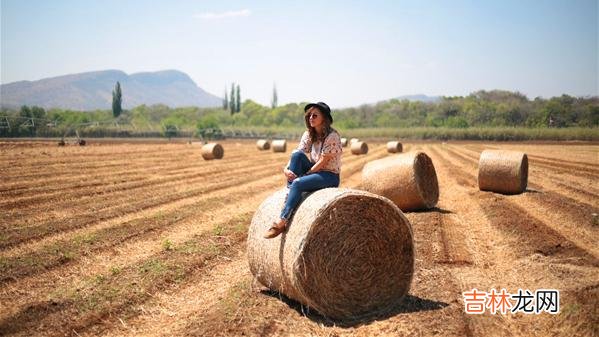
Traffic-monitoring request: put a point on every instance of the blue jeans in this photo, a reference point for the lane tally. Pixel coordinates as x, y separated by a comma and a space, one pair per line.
299, 164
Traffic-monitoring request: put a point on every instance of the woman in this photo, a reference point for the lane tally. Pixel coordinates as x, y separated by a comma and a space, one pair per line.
314, 165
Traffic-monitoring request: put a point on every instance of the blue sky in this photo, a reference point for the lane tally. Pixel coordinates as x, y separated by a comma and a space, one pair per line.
342, 52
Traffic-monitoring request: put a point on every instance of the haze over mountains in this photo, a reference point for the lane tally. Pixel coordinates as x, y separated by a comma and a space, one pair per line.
93, 90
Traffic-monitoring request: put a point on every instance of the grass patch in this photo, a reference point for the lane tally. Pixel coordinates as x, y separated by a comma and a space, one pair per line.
87, 238
167, 245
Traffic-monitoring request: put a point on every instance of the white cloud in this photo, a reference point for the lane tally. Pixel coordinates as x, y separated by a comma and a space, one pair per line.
223, 15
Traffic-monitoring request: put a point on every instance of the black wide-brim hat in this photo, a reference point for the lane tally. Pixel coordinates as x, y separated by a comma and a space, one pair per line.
323, 107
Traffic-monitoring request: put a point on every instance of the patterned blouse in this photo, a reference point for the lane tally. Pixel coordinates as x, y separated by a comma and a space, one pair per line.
332, 145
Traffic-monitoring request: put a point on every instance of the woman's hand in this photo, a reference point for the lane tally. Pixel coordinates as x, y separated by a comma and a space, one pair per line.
289, 174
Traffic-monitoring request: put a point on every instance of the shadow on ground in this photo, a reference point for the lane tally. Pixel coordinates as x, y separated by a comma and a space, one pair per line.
407, 304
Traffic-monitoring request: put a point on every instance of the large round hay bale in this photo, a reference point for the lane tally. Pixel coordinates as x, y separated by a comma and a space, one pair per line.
503, 171
279, 145
263, 144
408, 179
212, 151
394, 147
348, 254
359, 147
343, 142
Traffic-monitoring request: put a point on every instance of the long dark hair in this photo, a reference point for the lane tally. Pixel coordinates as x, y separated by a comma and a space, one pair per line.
312, 131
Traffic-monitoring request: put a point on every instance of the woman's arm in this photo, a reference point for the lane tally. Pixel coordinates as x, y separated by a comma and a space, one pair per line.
288, 173
324, 159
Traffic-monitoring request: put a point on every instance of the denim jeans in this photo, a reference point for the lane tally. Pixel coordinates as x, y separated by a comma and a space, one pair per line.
299, 164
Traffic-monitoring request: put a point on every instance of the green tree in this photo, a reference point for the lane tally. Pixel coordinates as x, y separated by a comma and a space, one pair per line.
274, 102
232, 104
117, 98
226, 100
237, 100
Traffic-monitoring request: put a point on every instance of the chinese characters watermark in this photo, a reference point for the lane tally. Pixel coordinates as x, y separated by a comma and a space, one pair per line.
524, 301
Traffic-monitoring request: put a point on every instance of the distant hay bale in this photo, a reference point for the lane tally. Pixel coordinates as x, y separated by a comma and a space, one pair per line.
212, 151
344, 142
61, 143
81, 142
503, 171
408, 179
359, 148
353, 140
263, 144
394, 147
279, 145
348, 254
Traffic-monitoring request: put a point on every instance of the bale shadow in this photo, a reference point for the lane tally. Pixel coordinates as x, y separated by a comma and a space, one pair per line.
432, 210
407, 304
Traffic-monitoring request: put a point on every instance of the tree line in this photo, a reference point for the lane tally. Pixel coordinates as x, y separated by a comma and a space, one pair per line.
479, 110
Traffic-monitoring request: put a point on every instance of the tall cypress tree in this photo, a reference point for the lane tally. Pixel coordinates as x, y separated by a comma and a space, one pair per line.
238, 99
274, 102
232, 99
226, 100
117, 98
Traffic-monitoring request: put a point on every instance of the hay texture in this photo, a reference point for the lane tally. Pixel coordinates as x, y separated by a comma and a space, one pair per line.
503, 171
343, 142
347, 253
263, 144
212, 151
408, 179
359, 147
394, 147
279, 145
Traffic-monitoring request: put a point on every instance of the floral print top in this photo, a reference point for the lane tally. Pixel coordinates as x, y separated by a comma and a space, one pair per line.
332, 145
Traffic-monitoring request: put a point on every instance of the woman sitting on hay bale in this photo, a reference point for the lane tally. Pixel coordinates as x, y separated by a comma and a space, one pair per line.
314, 165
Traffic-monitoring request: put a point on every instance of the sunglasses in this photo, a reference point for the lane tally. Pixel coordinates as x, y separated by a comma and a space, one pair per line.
313, 116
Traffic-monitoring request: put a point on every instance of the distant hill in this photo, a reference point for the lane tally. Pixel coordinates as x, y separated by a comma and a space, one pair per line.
419, 98
93, 90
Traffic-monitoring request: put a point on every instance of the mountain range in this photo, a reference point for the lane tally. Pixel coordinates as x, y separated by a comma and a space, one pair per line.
93, 90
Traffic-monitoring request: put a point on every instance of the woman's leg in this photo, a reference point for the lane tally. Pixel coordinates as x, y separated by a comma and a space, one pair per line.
299, 164
309, 183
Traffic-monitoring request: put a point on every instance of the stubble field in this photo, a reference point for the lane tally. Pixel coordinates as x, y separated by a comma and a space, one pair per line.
149, 239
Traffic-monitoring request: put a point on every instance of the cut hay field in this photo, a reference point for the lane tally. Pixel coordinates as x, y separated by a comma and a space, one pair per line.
149, 239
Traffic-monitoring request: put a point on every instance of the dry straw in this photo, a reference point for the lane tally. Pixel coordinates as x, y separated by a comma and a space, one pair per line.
212, 151
359, 147
279, 145
408, 179
394, 147
344, 142
348, 254
263, 144
503, 171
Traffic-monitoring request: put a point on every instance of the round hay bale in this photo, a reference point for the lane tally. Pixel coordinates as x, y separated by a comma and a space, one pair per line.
394, 147
343, 142
503, 171
353, 140
81, 142
359, 148
61, 143
279, 145
408, 179
212, 151
263, 144
348, 254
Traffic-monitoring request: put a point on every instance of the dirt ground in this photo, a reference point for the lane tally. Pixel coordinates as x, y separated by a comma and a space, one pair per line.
130, 239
